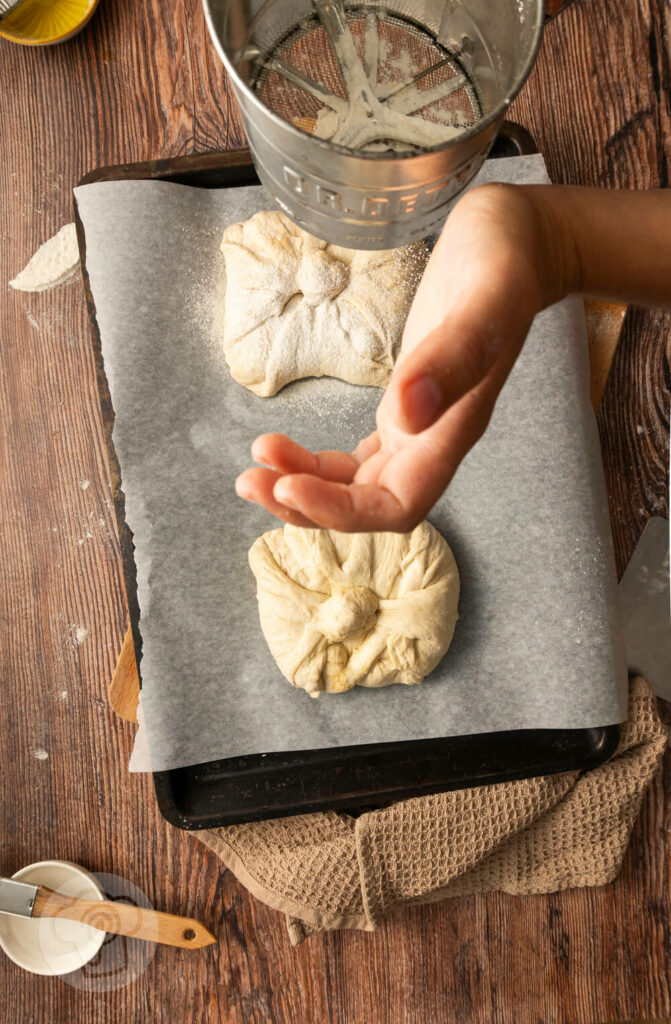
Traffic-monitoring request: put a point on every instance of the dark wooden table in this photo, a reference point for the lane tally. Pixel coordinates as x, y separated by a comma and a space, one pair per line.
143, 81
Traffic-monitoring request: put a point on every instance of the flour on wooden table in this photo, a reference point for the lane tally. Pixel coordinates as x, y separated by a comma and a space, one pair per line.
54, 262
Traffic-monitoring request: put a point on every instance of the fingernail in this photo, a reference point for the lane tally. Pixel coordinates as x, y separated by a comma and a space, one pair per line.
422, 403
281, 493
240, 489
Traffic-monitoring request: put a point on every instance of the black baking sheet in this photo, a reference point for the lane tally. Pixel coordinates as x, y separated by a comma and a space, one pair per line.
256, 786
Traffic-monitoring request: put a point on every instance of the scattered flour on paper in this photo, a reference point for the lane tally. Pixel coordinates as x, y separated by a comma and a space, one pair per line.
54, 262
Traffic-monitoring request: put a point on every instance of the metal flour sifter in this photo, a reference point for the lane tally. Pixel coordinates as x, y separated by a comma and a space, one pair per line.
365, 121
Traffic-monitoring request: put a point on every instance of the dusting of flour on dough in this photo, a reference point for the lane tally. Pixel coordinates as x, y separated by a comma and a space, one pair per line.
54, 262
296, 306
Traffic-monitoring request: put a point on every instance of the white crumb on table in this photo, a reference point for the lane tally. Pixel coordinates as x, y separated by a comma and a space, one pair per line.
31, 319
54, 262
79, 634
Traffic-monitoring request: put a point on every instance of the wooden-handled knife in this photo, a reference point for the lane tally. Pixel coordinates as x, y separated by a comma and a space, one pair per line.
118, 918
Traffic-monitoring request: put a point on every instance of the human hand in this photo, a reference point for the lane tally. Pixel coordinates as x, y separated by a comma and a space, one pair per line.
502, 257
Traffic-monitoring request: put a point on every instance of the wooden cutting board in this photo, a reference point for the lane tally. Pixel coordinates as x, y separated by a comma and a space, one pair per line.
604, 325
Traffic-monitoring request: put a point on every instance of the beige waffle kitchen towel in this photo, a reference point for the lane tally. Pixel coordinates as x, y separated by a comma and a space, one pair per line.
537, 835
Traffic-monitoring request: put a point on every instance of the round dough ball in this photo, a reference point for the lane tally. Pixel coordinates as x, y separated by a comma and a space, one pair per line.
355, 609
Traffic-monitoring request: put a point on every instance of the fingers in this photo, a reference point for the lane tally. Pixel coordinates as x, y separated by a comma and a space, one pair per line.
421, 470
257, 485
366, 448
370, 470
452, 361
315, 483
390, 492
350, 508
285, 456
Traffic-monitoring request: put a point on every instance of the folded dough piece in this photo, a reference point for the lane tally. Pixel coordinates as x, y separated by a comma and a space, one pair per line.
345, 609
296, 306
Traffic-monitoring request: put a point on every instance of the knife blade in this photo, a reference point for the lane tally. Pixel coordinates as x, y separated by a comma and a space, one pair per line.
17, 898
645, 605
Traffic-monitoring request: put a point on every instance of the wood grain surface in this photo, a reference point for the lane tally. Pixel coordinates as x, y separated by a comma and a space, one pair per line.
140, 82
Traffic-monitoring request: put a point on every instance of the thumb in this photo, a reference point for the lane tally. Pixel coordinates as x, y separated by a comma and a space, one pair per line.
453, 359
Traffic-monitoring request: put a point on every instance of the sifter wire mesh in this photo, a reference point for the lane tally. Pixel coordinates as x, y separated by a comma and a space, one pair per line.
301, 79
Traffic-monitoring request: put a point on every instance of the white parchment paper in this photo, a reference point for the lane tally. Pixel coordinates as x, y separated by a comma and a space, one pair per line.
538, 643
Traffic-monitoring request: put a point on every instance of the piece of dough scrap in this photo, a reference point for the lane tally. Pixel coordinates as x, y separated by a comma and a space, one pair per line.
296, 306
355, 609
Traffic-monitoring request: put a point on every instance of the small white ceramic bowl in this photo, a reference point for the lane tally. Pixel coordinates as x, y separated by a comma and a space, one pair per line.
51, 945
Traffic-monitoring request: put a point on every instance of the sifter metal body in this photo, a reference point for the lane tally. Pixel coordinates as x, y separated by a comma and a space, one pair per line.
7, 6
377, 198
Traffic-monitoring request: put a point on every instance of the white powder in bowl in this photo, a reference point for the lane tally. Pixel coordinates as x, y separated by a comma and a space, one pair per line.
53, 263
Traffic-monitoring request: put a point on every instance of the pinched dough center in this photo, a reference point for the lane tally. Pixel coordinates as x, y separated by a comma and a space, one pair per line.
320, 276
347, 612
